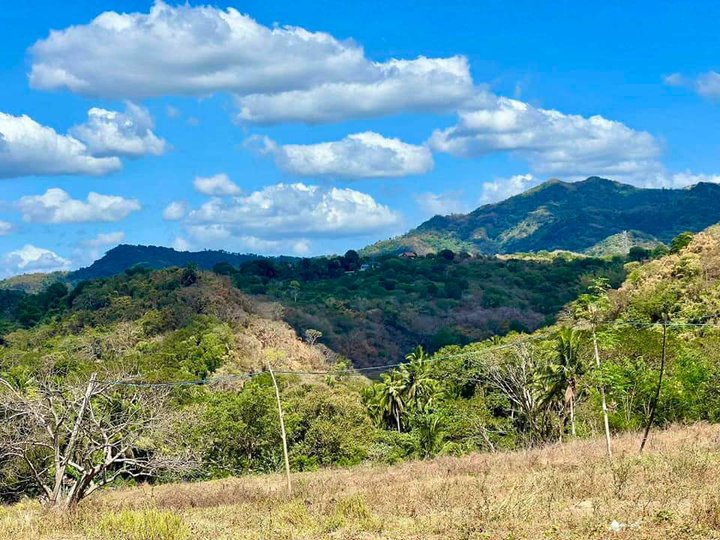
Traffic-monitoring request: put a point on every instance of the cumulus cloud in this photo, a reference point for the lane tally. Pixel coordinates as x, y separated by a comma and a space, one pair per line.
30, 258
434, 204
175, 210
5, 228
218, 185
423, 84
291, 210
28, 148
277, 73
552, 142
57, 206
92, 249
502, 188
113, 133
362, 155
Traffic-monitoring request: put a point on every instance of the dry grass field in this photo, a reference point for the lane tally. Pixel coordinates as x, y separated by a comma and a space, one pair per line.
565, 491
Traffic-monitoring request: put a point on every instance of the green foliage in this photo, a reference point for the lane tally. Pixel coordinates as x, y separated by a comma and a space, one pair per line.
239, 432
387, 305
591, 216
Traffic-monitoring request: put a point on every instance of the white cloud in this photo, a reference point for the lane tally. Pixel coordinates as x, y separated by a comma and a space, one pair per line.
28, 148
113, 133
181, 244
105, 239
56, 206
686, 178
552, 142
278, 73
218, 185
5, 228
434, 204
203, 237
291, 210
362, 155
92, 249
423, 84
708, 84
674, 79
175, 210
503, 188
30, 258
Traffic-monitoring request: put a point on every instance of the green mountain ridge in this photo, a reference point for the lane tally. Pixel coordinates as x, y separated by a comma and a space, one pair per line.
573, 216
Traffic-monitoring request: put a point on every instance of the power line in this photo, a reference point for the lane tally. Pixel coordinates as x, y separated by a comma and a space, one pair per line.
359, 371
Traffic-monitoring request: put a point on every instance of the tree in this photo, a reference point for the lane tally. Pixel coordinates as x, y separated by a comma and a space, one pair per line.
294, 289
590, 307
387, 400
312, 335
420, 388
189, 275
681, 241
351, 260
519, 377
73, 439
565, 370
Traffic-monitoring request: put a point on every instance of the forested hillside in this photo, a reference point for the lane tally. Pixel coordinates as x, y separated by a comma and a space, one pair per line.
373, 311
182, 357
124, 256
596, 215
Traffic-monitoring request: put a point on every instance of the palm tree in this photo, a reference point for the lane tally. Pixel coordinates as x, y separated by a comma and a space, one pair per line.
389, 397
420, 387
565, 370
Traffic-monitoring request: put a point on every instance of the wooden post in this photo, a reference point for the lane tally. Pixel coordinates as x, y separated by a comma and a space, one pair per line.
654, 404
282, 431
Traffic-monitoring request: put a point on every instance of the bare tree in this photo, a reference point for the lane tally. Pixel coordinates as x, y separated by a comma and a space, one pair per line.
73, 439
312, 335
519, 378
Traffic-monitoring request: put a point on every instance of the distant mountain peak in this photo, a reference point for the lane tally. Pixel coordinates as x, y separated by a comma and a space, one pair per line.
558, 215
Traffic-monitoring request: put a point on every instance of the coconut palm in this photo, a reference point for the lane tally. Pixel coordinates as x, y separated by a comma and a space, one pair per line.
389, 398
420, 387
565, 370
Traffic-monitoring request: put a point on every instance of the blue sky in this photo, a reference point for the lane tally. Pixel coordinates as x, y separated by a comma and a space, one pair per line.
314, 127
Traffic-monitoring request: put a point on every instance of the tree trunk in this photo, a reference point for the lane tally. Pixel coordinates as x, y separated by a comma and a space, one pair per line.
282, 431
572, 415
653, 405
602, 394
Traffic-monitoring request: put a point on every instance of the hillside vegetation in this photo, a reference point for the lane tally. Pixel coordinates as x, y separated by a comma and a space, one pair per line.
565, 491
516, 392
373, 311
597, 216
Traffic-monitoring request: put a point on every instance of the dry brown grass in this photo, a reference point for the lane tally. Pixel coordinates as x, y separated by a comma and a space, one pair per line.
565, 491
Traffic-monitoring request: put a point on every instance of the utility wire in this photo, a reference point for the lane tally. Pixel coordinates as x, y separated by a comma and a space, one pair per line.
359, 371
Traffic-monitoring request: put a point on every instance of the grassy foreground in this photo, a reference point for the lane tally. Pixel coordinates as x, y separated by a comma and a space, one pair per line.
566, 491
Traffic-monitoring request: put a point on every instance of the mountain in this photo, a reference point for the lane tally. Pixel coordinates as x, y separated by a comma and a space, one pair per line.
124, 256
593, 216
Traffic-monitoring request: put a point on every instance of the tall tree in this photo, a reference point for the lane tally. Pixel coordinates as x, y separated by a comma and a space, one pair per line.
565, 371
590, 308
